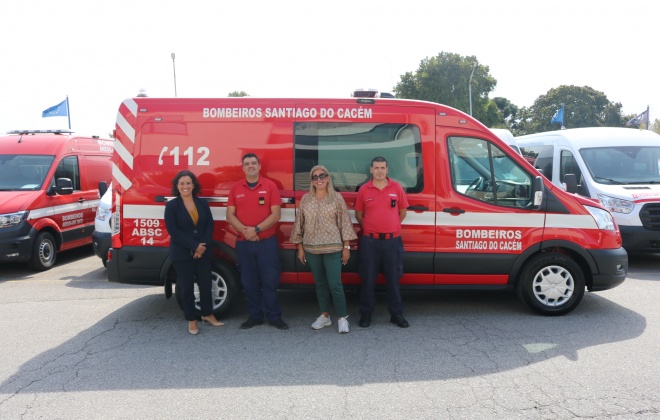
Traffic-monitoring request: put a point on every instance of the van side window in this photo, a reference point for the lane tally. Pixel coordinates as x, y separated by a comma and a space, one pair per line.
482, 171
541, 157
346, 149
68, 168
568, 165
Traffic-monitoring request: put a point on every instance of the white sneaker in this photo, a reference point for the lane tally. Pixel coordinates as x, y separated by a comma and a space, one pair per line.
343, 325
322, 321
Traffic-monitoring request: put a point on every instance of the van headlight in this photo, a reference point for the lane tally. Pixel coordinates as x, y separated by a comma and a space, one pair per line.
102, 213
603, 218
12, 219
616, 205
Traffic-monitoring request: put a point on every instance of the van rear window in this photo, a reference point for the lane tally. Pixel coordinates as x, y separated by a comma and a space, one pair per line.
347, 149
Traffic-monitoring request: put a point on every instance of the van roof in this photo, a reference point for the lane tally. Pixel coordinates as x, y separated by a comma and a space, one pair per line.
597, 136
37, 142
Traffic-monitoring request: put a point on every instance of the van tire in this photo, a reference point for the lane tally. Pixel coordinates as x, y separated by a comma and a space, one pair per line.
44, 252
551, 284
224, 289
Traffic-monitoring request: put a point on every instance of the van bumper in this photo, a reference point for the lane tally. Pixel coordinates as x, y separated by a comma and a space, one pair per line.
101, 243
137, 265
612, 265
640, 239
16, 243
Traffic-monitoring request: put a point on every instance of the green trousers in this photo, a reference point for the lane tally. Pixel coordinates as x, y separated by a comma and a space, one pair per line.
326, 269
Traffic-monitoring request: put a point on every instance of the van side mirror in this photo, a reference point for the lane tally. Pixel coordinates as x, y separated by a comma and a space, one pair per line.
538, 188
571, 183
63, 186
103, 187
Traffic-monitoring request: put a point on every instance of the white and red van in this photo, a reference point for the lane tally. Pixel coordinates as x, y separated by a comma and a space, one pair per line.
49, 191
480, 216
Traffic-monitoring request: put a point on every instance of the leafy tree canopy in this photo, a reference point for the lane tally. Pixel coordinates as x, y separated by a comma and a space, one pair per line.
445, 79
583, 107
237, 94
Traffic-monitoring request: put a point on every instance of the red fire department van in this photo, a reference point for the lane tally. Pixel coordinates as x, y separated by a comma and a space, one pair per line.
49, 182
480, 216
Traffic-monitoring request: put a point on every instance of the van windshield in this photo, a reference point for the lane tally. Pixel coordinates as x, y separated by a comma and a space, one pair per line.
623, 164
23, 172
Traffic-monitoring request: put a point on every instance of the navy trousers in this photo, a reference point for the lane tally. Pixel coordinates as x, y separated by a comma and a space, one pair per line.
386, 256
187, 274
259, 265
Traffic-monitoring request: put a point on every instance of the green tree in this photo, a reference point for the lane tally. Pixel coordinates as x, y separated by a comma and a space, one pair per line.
445, 79
655, 126
583, 107
237, 94
508, 112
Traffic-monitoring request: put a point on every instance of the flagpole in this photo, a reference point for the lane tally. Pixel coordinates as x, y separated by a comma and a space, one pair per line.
68, 113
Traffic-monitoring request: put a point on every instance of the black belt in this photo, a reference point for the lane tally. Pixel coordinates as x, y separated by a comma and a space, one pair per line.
382, 236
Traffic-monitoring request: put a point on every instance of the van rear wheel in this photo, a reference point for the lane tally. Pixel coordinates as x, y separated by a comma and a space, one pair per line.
551, 284
44, 252
224, 289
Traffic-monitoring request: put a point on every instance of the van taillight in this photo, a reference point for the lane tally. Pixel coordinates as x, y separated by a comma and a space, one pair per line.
116, 221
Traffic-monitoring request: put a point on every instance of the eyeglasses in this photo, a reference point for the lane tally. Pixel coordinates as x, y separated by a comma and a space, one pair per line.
321, 177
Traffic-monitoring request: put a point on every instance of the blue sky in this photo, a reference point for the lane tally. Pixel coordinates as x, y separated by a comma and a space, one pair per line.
101, 53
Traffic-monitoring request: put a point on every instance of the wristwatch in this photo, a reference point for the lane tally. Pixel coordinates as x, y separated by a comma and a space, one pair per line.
347, 247
256, 229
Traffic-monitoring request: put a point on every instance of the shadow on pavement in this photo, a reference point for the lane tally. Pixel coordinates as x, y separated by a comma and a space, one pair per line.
145, 345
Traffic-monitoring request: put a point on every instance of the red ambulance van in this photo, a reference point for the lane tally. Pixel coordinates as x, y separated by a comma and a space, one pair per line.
480, 216
49, 182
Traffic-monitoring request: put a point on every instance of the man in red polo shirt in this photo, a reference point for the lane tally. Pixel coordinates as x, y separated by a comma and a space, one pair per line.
253, 209
380, 208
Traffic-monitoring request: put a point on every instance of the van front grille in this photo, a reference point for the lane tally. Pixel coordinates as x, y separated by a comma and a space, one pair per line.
650, 216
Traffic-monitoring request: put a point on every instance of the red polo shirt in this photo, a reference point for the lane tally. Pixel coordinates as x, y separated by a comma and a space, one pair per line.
381, 207
253, 204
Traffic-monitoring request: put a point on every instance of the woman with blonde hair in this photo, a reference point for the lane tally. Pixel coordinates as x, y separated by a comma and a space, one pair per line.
322, 231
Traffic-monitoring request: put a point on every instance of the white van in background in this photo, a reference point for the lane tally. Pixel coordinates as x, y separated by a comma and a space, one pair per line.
103, 224
507, 137
620, 167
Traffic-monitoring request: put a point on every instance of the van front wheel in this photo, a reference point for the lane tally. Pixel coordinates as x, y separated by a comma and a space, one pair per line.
551, 284
224, 289
44, 252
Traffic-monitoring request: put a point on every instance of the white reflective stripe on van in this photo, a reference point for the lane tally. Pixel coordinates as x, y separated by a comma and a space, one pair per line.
124, 154
584, 221
55, 210
415, 219
491, 219
120, 177
123, 124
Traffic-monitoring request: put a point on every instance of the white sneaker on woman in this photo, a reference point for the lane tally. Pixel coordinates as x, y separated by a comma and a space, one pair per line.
322, 321
343, 325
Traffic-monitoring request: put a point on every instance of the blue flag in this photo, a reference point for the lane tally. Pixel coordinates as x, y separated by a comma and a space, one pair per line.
641, 118
59, 110
559, 116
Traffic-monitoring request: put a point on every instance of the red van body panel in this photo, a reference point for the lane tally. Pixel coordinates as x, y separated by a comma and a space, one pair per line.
453, 236
39, 220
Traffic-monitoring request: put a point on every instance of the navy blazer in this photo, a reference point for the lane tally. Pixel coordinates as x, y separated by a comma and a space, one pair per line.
185, 236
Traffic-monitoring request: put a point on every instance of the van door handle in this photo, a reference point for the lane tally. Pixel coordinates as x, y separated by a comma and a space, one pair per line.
418, 208
453, 210
81, 200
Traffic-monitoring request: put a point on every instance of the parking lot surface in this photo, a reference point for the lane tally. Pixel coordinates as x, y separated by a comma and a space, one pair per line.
77, 347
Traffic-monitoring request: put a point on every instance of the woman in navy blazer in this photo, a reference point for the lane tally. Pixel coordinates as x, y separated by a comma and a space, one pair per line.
189, 223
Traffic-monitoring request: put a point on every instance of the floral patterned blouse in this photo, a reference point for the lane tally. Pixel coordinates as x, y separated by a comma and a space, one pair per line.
322, 226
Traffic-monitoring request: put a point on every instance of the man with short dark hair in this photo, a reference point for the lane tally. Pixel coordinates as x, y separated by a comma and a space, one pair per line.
253, 209
380, 208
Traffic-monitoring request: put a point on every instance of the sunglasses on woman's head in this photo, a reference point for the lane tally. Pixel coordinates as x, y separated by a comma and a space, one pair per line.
321, 177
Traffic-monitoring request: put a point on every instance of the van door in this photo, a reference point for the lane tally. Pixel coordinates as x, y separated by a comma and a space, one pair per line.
346, 150
72, 212
485, 221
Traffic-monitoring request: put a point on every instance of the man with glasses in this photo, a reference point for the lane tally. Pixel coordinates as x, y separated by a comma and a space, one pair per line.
253, 209
380, 208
